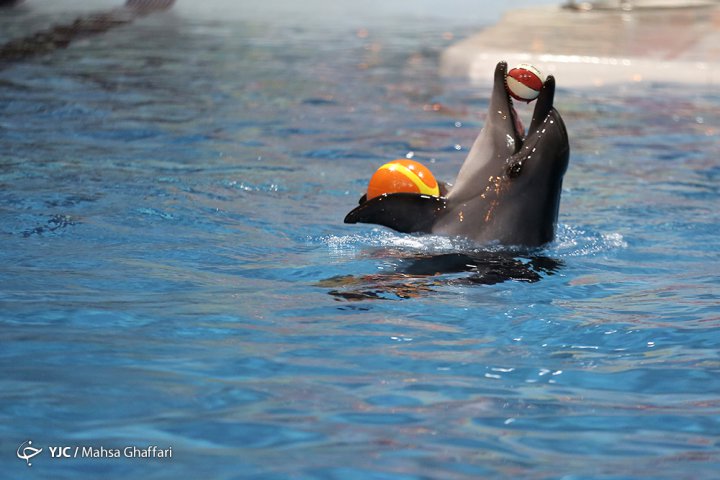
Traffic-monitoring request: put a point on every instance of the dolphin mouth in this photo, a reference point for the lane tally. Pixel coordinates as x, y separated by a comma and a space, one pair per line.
502, 105
504, 102
517, 122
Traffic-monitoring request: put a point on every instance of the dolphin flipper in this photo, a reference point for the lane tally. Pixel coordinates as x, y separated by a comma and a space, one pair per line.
404, 212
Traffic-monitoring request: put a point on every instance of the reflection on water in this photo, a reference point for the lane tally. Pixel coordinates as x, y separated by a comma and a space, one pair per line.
171, 205
62, 35
413, 276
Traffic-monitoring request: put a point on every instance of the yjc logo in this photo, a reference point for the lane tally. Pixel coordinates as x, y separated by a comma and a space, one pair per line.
26, 451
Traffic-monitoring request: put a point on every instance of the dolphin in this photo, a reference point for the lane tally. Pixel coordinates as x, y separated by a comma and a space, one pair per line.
508, 189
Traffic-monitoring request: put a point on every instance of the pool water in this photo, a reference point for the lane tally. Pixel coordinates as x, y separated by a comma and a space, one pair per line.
175, 270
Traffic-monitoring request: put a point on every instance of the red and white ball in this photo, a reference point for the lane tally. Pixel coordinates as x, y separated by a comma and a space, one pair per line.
524, 82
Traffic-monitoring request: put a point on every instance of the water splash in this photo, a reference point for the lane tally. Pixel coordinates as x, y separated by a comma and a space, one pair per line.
574, 241
350, 245
571, 241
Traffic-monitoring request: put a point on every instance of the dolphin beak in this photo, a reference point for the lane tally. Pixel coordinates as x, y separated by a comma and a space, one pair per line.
501, 113
502, 104
545, 145
505, 122
544, 104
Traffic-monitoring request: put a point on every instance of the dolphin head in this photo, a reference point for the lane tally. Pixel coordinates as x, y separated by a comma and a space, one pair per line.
508, 188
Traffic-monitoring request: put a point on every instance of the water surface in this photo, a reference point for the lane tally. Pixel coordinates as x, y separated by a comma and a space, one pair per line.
175, 270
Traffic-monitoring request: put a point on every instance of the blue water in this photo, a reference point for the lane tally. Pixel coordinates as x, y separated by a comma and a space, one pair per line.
174, 270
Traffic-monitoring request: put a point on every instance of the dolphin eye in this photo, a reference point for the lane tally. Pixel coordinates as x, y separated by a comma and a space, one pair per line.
514, 169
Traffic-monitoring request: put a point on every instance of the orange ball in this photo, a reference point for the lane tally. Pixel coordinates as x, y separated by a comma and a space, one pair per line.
402, 176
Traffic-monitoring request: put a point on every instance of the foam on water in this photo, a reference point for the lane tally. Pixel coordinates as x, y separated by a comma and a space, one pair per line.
573, 241
348, 245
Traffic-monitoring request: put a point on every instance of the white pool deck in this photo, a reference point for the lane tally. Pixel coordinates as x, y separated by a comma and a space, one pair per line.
598, 47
